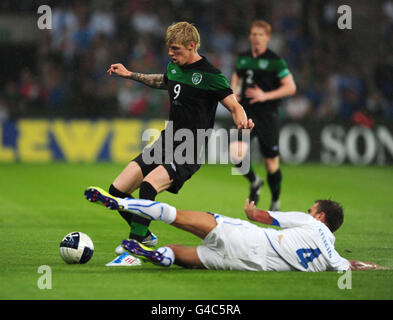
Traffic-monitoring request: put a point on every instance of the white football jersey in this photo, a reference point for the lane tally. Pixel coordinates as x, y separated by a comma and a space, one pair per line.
304, 243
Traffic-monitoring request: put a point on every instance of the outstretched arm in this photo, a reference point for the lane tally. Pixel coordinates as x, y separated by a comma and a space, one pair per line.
360, 265
151, 80
257, 215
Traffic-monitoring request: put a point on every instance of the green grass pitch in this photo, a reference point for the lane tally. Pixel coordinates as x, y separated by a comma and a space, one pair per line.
41, 203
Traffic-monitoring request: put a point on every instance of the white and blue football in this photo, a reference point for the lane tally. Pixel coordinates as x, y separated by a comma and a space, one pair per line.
76, 247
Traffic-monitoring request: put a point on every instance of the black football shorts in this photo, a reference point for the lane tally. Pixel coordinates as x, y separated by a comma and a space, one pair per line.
179, 173
267, 131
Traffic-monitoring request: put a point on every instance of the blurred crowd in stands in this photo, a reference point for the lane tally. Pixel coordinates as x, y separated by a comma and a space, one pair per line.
337, 75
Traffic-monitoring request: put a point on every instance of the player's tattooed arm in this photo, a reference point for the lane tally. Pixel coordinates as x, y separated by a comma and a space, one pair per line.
151, 80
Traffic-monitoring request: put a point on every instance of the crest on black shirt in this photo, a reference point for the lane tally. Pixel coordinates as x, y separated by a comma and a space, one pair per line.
196, 78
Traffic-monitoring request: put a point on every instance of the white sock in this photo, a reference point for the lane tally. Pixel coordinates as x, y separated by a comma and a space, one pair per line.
169, 213
153, 210
169, 256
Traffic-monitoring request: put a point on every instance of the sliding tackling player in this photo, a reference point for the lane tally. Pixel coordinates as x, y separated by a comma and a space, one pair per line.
304, 242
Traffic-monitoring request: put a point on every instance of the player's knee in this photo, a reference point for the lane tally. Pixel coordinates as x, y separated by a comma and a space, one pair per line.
272, 165
147, 191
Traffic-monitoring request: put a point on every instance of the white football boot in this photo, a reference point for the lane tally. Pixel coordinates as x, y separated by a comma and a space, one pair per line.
124, 260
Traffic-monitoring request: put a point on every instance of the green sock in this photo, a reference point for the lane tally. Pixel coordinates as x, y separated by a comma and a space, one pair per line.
139, 228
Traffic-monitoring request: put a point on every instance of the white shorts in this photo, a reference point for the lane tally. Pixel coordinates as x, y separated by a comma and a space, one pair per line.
234, 244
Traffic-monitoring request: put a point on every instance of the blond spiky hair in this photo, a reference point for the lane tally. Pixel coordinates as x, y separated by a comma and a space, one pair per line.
182, 33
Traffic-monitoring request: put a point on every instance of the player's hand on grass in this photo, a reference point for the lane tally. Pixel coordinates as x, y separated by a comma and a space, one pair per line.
119, 70
360, 265
256, 94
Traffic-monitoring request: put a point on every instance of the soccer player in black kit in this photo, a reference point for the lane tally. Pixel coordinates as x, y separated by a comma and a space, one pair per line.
195, 87
261, 79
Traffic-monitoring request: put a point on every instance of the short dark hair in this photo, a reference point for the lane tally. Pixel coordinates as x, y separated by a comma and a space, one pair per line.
334, 213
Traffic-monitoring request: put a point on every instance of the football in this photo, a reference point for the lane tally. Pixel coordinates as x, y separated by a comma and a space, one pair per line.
76, 247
